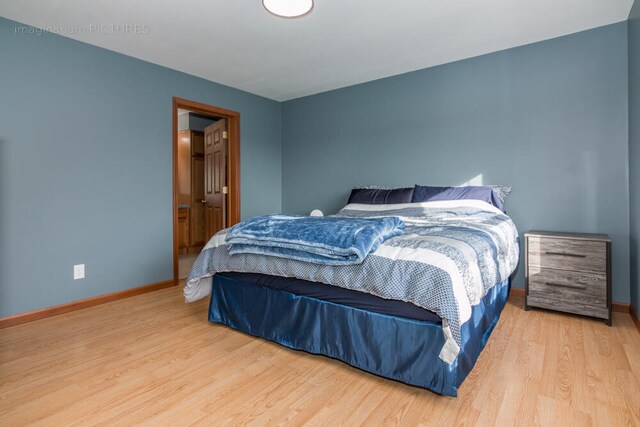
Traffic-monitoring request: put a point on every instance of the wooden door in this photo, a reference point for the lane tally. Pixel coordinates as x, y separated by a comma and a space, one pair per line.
215, 177
196, 232
197, 202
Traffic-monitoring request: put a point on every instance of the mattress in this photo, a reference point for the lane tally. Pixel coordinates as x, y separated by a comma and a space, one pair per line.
337, 295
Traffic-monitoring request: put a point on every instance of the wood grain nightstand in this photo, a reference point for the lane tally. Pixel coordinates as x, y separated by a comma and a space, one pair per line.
568, 272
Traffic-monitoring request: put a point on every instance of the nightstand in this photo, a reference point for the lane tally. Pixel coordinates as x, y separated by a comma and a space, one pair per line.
568, 272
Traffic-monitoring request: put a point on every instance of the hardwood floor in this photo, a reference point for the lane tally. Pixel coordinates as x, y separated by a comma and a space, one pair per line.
155, 360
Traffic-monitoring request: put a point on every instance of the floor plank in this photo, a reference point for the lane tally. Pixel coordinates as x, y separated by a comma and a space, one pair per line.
154, 360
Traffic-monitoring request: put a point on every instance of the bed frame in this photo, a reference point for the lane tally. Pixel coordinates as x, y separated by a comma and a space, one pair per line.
357, 337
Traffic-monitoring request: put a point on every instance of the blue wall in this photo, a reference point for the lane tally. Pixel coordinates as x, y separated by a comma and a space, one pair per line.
86, 169
634, 151
85, 151
549, 119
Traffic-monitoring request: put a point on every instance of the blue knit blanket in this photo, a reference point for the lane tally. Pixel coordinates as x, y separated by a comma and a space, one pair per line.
320, 240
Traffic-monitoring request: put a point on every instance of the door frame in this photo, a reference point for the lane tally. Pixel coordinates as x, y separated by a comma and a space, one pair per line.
233, 165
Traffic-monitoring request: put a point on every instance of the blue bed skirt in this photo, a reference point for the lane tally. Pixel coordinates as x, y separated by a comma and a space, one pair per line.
393, 347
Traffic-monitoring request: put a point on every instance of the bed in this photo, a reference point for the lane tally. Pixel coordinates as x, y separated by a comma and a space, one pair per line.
419, 309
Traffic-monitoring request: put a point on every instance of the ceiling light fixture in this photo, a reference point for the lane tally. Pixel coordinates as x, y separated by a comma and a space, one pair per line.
288, 8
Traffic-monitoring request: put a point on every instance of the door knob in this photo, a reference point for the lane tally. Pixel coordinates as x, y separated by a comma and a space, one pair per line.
203, 201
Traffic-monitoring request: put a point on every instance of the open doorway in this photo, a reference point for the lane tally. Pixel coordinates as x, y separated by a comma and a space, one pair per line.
206, 168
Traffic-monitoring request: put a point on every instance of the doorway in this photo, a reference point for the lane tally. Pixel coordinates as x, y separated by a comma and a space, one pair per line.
206, 178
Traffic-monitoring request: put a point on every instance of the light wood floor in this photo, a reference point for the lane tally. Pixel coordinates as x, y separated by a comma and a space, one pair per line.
154, 360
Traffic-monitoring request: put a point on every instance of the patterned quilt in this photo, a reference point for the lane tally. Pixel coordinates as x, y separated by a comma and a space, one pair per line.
451, 254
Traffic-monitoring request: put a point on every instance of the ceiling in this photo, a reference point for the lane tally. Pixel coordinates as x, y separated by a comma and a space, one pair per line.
341, 43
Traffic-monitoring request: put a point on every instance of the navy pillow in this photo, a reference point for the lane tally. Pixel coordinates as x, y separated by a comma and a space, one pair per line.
427, 194
378, 196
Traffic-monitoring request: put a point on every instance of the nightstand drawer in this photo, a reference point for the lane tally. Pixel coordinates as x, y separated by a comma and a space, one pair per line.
570, 307
568, 286
566, 254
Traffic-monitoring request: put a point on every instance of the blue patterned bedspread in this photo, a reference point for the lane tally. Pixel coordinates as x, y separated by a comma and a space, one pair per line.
321, 240
451, 254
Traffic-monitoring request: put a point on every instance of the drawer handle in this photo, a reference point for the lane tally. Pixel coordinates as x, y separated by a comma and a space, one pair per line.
565, 285
565, 254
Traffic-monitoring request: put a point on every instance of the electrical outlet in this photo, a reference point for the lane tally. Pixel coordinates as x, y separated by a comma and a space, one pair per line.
78, 271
